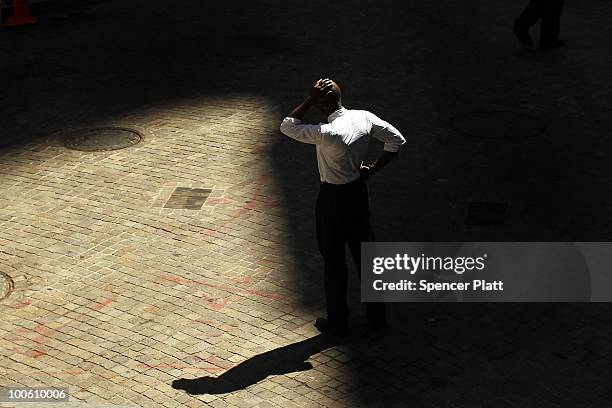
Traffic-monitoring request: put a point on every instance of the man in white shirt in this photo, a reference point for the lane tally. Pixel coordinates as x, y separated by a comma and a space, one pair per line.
342, 211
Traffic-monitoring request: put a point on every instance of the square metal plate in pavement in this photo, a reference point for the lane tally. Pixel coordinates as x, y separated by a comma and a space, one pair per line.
187, 198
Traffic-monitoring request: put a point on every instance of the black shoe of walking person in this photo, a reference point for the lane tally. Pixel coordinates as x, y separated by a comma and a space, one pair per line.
324, 326
552, 44
522, 33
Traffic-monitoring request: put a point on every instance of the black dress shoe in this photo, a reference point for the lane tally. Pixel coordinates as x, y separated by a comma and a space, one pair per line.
523, 36
323, 325
552, 44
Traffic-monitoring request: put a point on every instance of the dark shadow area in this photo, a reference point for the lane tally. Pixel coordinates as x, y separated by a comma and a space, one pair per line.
417, 65
283, 360
49, 8
485, 355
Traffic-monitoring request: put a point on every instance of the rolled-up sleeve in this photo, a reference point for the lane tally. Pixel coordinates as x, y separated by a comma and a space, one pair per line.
294, 128
386, 133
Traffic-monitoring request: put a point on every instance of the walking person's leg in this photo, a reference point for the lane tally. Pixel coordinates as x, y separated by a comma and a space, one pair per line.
530, 15
360, 230
551, 21
331, 245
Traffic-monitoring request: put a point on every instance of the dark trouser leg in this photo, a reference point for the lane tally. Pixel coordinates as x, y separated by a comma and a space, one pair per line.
335, 289
359, 230
551, 16
331, 246
530, 15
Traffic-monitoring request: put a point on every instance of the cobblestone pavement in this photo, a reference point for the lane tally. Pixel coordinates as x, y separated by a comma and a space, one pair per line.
112, 294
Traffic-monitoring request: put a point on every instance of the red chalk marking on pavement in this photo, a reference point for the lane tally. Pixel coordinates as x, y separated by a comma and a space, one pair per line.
21, 304
175, 279
39, 328
271, 202
103, 303
252, 204
15, 339
181, 281
219, 201
76, 371
242, 281
35, 353
208, 231
212, 359
216, 304
265, 260
43, 332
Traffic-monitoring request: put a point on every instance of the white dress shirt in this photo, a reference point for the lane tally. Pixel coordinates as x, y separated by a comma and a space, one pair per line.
343, 142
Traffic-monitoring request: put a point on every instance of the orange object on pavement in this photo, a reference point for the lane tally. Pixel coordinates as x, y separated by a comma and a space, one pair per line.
21, 14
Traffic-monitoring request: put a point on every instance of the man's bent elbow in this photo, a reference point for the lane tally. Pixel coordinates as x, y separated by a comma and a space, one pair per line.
393, 149
284, 129
286, 126
395, 146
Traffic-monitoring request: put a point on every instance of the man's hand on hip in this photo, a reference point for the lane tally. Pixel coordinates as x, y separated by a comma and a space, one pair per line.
366, 171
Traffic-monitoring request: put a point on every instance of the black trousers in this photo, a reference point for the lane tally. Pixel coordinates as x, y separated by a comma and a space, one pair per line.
343, 218
549, 11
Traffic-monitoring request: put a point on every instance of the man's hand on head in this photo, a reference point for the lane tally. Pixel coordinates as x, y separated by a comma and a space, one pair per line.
318, 92
321, 88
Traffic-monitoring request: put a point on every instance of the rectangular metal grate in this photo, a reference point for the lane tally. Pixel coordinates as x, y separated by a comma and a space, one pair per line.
187, 198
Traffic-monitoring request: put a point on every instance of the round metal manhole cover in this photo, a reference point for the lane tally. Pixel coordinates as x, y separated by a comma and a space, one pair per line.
498, 125
236, 45
102, 139
6, 285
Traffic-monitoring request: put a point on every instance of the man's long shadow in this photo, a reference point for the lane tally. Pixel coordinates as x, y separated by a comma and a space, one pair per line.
282, 360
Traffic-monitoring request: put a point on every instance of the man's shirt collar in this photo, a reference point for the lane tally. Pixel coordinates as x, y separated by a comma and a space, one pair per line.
337, 113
